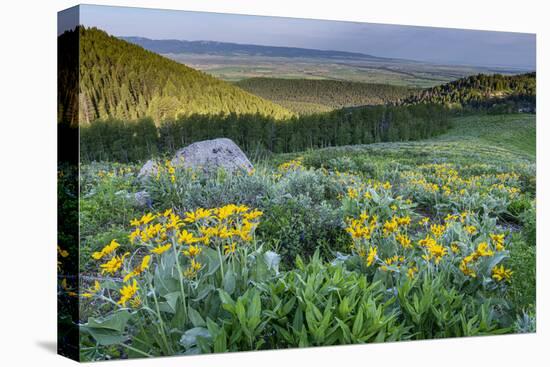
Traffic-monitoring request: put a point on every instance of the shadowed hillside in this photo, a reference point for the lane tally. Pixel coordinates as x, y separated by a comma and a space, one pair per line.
305, 96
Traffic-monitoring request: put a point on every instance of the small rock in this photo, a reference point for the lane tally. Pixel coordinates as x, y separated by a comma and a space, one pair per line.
142, 198
150, 168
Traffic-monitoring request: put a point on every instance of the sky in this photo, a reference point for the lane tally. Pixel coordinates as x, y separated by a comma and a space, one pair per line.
438, 45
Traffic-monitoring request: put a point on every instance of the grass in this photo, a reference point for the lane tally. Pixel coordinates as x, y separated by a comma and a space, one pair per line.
515, 133
491, 139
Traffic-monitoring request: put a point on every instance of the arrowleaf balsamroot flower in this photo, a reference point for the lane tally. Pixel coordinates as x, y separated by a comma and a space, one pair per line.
96, 288
404, 240
107, 250
127, 292
498, 240
437, 230
500, 273
192, 251
145, 262
160, 249
113, 265
373, 252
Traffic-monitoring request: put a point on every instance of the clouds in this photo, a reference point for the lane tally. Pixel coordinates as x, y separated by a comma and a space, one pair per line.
443, 45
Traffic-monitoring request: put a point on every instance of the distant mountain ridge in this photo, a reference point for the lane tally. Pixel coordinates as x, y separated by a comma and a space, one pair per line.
166, 46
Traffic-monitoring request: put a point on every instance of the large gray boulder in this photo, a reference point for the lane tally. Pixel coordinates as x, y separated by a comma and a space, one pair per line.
209, 155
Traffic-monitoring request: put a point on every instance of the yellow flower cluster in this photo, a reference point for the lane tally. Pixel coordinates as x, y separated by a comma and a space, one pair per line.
435, 242
500, 273
292, 165
362, 228
127, 292
224, 228
107, 250
482, 250
446, 180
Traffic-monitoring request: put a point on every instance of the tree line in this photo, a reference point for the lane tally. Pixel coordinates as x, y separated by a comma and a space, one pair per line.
494, 93
128, 141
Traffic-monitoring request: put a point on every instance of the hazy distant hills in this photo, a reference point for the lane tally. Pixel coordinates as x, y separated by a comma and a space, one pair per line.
236, 49
122, 80
234, 62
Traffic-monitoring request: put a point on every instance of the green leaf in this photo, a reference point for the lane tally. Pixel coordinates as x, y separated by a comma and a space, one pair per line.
195, 317
189, 338
358, 324
108, 330
205, 291
172, 299
229, 281
220, 342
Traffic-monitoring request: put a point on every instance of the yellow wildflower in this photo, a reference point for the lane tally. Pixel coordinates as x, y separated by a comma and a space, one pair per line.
437, 230
498, 240
135, 234
96, 288
192, 251
454, 248
373, 251
390, 226
404, 221
436, 251
352, 193
127, 292
229, 248
483, 250
160, 249
411, 272
186, 237
61, 252
253, 215
193, 269
147, 218
113, 265
139, 269
471, 230
200, 213
499, 273
403, 240
106, 250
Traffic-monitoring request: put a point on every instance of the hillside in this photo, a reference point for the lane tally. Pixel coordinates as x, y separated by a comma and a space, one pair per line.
512, 132
124, 81
480, 139
483, 91
305, 96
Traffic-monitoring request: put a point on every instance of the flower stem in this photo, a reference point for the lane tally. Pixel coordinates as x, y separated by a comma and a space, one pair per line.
221, 262
180, 275
135, 350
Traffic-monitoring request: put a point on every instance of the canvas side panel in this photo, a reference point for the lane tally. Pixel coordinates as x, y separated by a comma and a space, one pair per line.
68, 183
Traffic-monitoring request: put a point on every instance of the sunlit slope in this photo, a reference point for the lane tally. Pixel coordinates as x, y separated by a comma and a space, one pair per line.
124, 81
